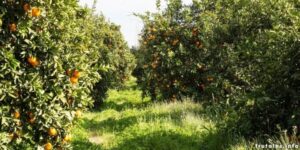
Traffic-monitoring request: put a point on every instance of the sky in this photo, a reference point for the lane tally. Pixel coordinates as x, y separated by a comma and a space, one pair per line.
121, 12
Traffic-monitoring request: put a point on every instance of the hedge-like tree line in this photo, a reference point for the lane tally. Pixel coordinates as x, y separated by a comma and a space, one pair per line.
242, 55
56, 59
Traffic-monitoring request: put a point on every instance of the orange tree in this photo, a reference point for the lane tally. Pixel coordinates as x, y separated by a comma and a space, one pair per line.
178, 57
116, 59
240, 54
50, 60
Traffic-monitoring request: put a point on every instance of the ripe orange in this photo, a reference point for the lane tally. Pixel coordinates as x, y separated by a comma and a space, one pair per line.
78, 113
67, 138
76, 74
74, 80
52, 131
26, 7
17, 114
35, 12
48, 146
33, 61
12, 27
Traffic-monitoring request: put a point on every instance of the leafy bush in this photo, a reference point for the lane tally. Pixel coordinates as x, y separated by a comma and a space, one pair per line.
243, 55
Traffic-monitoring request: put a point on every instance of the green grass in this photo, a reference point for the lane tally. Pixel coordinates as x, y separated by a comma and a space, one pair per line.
127, 122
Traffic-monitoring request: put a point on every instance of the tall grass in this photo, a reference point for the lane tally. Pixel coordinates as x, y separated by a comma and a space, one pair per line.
128, 122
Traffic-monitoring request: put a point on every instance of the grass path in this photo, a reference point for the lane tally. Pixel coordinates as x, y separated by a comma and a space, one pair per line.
126, 122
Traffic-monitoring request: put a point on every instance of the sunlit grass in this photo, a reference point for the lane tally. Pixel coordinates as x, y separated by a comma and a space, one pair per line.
128, 122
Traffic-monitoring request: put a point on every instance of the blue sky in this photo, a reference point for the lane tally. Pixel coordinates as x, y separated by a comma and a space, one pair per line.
121, 13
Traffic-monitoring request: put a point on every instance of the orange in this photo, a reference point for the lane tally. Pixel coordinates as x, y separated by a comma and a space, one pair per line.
78, 113
17, 114
48, 146
52, 131
12, 27
67, 138
74, 80
26, 7
35, 12
33, 61
76, 74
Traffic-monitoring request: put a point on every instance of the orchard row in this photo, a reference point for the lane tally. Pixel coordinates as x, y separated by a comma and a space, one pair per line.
240, 55
56, 59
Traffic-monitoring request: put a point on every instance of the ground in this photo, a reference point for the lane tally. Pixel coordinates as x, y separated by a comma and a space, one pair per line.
128, 122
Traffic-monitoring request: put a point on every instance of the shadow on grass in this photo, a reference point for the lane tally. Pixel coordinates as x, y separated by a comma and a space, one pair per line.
209, 139
84, 144
165, 140
161, 140
123, 105
218, 140
118, 125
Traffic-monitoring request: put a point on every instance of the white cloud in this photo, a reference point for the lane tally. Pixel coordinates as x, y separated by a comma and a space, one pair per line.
121, 13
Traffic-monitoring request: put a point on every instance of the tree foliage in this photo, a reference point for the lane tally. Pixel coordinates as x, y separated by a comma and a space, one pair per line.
241, 54
52, 54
